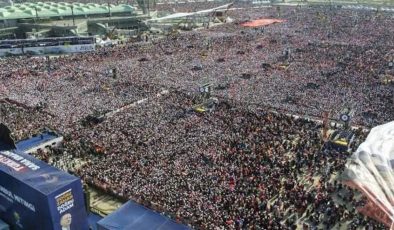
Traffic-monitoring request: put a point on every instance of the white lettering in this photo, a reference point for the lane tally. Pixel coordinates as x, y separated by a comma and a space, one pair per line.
24, 203
30, 164
66, 206
6, 191
12, 155
10, 163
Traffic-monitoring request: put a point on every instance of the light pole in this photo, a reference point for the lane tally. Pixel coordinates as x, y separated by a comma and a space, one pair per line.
148, 8
109, 9
72, 13
36, 21
35, 8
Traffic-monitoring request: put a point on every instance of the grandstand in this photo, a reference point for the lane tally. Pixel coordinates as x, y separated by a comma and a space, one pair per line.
51, 19
53, 10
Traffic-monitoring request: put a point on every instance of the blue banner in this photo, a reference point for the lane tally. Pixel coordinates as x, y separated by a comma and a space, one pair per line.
35, 195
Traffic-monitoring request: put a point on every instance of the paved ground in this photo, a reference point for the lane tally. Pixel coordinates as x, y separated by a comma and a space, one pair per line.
102, 203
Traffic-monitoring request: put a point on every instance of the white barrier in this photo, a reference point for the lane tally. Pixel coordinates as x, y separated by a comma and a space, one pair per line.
47, 50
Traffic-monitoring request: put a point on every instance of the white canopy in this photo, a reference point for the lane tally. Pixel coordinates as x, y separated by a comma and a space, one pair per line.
370, 170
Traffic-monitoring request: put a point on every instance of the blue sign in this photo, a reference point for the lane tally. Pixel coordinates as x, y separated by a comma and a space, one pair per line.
35, 195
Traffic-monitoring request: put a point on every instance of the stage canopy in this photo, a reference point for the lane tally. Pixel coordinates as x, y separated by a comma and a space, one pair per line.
134, 216
262, 22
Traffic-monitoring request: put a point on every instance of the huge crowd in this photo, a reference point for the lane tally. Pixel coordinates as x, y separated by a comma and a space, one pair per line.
234, 168
245, 165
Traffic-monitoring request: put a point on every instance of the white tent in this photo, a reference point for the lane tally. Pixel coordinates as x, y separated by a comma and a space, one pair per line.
370, 170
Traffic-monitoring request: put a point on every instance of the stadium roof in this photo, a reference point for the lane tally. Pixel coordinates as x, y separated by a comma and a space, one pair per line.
60, 9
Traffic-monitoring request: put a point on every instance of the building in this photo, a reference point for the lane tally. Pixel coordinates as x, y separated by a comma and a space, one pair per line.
51, 19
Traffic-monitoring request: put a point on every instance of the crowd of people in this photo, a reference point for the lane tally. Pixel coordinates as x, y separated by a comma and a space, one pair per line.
302, 68
245, 165
234, 168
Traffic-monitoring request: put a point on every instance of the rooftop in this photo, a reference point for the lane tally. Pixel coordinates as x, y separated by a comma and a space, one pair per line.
60, 9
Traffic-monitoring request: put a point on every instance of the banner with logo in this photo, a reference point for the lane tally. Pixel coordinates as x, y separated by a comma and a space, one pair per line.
35, 195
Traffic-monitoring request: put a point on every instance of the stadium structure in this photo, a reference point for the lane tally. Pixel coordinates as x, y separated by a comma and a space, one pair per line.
50, 19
